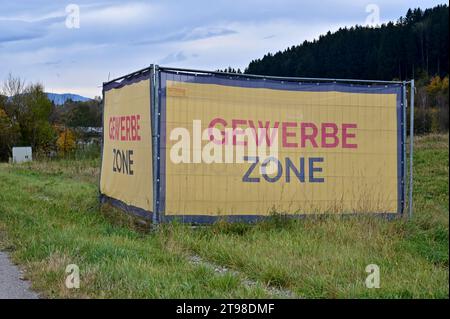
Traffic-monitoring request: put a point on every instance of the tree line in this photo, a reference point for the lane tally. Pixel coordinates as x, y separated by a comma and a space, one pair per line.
29, 118
416, 44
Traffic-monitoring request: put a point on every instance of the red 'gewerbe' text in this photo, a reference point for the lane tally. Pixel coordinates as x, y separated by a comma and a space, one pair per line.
124, 128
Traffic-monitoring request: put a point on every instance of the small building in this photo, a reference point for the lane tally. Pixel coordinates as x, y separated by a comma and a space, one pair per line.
22, 154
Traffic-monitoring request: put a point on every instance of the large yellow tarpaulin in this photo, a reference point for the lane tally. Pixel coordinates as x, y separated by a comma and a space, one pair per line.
337, 151
126, 172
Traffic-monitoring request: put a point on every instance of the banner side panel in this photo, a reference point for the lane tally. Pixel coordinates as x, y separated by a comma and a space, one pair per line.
126, 173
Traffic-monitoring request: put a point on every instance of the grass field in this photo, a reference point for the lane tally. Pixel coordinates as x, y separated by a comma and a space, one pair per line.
50, 217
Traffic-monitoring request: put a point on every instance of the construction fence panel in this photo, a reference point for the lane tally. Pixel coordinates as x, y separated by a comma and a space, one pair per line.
243, 148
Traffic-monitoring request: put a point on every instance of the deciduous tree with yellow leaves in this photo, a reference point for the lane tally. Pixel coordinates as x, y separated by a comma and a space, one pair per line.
66, 142
438, 95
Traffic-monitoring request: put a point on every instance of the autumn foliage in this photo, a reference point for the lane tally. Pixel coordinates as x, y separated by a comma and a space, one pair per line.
66, 142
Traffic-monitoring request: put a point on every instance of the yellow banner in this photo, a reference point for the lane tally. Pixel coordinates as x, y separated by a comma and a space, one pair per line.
336, 151
127, 173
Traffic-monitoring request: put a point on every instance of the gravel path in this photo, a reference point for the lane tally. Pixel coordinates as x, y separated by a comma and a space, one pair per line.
11, 284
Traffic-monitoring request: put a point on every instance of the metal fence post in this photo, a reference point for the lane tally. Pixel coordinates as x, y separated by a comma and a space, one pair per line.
404, 106
411, 150
155, 144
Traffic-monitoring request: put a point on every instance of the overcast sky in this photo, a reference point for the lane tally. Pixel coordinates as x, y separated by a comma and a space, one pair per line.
40, 41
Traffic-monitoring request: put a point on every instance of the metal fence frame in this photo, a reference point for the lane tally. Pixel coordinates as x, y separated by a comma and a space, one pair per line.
155, 106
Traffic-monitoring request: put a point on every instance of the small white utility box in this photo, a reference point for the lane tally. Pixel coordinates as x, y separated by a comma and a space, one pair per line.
21, 154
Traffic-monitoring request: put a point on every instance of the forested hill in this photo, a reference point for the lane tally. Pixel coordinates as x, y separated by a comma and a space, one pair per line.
415, 46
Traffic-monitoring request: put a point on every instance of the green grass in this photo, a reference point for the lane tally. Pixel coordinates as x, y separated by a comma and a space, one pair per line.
50, 218
52, 221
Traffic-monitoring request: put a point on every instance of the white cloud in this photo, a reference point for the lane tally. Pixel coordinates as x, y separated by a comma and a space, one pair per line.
122, 14
16, 30
173, 57
246, 43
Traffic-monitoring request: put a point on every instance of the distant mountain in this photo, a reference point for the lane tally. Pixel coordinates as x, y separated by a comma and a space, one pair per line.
60, 99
